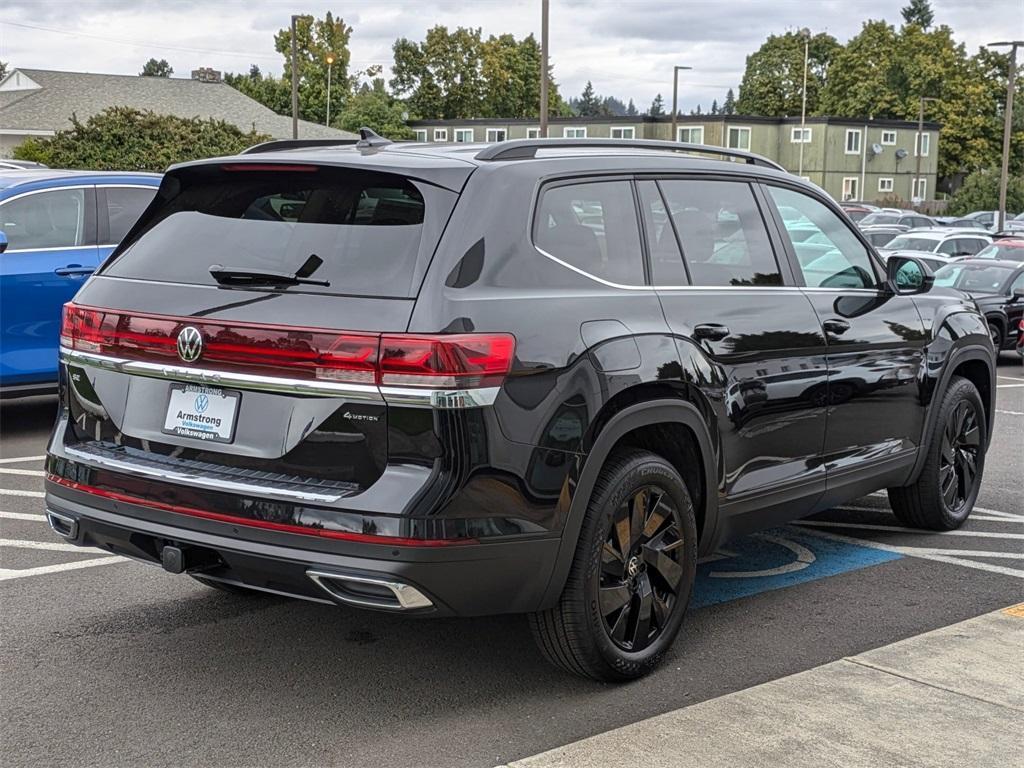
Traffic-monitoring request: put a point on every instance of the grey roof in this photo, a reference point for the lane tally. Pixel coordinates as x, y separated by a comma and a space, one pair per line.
49, 108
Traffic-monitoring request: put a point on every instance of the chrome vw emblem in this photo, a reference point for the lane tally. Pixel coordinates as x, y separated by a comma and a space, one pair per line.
190, 344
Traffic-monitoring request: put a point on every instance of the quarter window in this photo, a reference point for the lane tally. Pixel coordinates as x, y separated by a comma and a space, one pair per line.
45, 220
722, 234
593, 228
853, 141
830, 256
739, 138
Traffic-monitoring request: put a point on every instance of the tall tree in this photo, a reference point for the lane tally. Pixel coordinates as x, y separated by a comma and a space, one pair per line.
268, 90
860, 78
440, 76
773, 79
631, 109
371, 106
154, 68
589, 103
657, 108
714, 106
919, 12
315, 39
729, 105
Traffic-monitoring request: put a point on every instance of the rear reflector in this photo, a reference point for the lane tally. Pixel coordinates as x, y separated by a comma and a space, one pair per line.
456, 361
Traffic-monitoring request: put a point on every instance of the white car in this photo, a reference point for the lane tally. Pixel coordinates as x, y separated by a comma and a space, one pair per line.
958, 243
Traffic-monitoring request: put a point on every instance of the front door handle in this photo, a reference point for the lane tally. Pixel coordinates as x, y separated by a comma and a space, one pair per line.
710, 331
73, 269
836, 326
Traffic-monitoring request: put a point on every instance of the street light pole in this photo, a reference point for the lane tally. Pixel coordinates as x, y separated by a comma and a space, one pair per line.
295, 82
330, 64
806, 33
1004, 173
544, 69
919, 145
675, 100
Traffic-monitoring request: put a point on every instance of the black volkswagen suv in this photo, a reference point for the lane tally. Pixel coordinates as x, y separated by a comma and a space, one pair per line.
537, 377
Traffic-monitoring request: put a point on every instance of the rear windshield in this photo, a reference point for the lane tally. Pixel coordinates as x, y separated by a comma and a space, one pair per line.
906, 243
879, 218
374, 232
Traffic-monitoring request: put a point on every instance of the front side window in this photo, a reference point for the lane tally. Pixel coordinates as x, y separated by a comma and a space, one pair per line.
124, 206
853, 141
54, 219
973, 277
833, 257
722, 234
691, 135
739, 138
592, 227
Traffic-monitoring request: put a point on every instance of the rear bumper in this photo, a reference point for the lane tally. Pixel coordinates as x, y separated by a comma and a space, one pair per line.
470, 580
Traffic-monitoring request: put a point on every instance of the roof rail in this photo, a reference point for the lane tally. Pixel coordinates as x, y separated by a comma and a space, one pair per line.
279, 145
523, 149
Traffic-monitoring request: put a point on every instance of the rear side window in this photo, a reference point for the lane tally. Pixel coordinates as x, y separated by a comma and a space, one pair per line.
124, 206
721, 232
374, 232
51, 219
592, 227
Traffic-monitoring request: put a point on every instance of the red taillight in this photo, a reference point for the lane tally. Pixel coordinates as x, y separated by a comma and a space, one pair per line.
444, 361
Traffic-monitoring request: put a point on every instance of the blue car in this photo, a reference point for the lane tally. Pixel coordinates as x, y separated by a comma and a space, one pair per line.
56, 227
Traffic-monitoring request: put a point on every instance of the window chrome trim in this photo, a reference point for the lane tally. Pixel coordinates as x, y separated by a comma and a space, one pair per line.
191, 479
52, 248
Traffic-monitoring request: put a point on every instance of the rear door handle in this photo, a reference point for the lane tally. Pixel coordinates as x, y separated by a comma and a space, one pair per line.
836, 326
710, 331
73, 269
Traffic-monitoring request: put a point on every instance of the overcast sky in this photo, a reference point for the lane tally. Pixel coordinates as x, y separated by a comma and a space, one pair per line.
626, 48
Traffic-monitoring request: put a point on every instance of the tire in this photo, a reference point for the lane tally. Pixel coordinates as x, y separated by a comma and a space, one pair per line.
995, 333
223, 586
944, 493
625, 565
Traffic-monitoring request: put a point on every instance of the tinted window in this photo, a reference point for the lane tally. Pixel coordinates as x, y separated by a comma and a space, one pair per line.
45, 220
592, 227
973, 277
666, 260
880, 239
999, 251
911, 243
834, 257
722, 234
971, 245
124, 206
879, 218
949, 247
366, 227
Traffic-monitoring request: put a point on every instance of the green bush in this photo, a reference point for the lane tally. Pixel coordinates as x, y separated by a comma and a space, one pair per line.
126, 139
980, 192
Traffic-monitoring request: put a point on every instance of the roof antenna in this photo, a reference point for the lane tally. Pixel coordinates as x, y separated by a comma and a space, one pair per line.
369, 139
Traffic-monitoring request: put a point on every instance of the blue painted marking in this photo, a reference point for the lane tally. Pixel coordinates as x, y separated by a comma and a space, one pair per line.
804, 557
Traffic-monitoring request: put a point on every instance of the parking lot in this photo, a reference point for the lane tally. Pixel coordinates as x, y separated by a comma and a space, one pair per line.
107, 662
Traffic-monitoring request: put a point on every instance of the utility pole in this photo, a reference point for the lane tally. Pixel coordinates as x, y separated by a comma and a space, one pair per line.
1004, 173
918, 146
675, 100
295, 82
806, 34
544, 69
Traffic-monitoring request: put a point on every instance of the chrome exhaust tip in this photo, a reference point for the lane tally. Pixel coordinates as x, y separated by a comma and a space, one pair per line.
370, 592
63, 525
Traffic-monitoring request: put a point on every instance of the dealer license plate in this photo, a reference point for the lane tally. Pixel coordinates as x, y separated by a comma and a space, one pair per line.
202, 413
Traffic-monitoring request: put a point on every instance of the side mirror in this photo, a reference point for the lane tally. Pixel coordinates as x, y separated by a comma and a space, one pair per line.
907, 276
3, 241
1018, 295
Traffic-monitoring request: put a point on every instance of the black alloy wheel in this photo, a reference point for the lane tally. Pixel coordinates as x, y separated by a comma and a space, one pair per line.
640, 568
958, 459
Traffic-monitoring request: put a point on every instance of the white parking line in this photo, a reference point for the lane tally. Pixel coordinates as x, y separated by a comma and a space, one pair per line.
51, 546
21, 459
988, 519
22, 516
900, 529
29, 494
6, 574
1008, 386
1011, 413
30, 472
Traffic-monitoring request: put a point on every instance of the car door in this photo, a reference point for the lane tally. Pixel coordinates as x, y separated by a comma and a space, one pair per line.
876, 347
119, 207
51, 250
733, 308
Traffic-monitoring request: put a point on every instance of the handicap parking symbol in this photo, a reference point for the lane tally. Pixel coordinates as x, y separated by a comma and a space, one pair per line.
775, 559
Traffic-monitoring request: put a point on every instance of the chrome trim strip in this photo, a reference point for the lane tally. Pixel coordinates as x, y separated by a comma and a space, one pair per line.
445, 399
188, 478
408, 597
222, 378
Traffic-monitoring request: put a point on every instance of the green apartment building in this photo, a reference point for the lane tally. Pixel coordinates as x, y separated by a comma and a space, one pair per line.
851, 159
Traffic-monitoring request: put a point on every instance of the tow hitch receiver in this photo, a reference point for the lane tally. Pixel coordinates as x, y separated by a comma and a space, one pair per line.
178, 559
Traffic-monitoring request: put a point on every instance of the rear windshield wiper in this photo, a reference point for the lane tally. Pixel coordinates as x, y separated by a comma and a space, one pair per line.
246, 276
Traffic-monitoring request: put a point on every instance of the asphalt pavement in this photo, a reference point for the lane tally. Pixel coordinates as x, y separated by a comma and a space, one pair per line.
106, 662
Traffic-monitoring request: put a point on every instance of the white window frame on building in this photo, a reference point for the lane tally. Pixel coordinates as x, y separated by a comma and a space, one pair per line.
421, 135
800, 135
925, 145
464, 136
851, 188
533, 133
886, 184
854, 150
738, 131
919, 189
889, 138
690, 130
574, 132
623, 132
496, 134
440, 134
